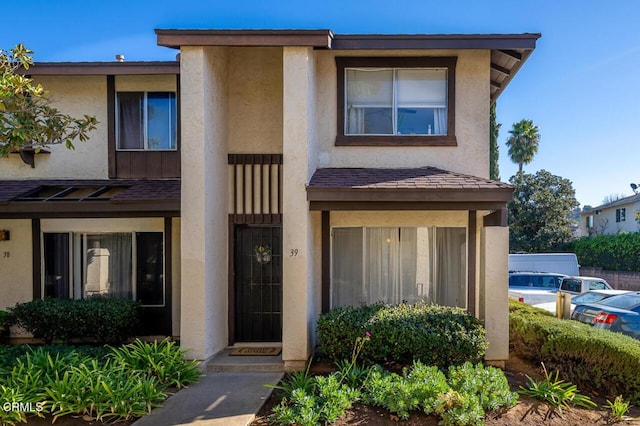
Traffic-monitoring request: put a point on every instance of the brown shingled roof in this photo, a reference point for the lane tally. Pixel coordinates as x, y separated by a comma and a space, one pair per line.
416, 178
419, 188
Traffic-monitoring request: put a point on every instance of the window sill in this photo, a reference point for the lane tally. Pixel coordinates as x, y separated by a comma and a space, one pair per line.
396, 140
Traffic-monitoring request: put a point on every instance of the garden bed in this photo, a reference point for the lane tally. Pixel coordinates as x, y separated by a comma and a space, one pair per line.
527, 412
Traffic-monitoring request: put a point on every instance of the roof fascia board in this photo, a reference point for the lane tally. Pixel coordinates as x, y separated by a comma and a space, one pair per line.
255, 38
435, 41
103, 68
500, 195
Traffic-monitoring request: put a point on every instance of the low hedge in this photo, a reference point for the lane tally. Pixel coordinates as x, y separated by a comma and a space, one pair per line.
98, 319
601, 361
436, 335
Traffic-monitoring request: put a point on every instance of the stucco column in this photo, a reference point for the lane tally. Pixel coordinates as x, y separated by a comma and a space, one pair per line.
494, 283
297, 233
204, 220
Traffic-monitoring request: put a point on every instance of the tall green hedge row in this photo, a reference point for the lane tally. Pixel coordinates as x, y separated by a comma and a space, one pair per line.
436, 335
617, 252
601, 361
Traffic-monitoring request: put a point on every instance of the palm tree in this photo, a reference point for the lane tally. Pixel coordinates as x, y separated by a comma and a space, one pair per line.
523, 142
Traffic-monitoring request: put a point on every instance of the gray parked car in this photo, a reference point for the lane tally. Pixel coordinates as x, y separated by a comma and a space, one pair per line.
619, 313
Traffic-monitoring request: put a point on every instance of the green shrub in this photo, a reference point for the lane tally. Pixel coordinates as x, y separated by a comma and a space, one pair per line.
436, 335
321, 403
102, 391
618, 252
98, 319
594, 359
489, 384
163, 360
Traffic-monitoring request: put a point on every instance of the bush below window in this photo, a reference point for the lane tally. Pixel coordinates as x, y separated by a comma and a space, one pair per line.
97, 319
437, 335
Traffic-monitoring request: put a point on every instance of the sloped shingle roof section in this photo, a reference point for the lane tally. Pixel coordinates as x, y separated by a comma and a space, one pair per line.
441, 188
415, 178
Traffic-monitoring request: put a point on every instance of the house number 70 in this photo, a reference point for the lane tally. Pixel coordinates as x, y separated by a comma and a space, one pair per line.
293, 253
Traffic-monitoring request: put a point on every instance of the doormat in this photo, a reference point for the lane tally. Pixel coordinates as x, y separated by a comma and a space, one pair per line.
255, 351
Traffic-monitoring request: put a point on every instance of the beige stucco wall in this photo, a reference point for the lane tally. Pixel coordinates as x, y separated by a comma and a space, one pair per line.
16, 265
298, 272
204, 220
75, 95
255, 100
471, 156
400, 218
494, 272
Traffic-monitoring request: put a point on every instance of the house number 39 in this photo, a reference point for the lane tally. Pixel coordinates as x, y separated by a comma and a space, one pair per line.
293, 253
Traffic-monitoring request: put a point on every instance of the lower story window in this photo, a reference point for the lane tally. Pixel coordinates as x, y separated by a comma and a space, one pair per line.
395, 265
118, 265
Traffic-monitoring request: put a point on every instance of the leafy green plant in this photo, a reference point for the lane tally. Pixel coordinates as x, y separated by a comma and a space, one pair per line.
619, 408
99, 319
352, 374
403, 333
556, 393
391, 392
428, 383
163, 360
11, 395
327, 400
457, 409
488, 383
102, 392
297, 380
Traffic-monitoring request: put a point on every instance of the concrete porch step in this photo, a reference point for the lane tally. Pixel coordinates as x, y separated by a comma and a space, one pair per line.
224, 362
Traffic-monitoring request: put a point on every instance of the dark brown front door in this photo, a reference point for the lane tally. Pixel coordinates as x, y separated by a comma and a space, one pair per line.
258, 283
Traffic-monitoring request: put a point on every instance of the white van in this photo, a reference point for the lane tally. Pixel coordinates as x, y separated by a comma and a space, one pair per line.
559, 263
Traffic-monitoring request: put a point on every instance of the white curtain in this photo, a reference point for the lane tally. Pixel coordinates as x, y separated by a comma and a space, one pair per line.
450, 267
107, 265
355, 121
347, 287
439, 121
395, 265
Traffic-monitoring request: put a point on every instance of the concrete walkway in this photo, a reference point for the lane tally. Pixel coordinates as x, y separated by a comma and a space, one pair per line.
217, 399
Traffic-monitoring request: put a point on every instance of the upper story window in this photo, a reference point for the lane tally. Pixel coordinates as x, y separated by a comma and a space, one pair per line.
146, 121
396, 101
621, 215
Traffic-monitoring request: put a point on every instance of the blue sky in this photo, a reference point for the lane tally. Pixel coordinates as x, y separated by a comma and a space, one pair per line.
581, 86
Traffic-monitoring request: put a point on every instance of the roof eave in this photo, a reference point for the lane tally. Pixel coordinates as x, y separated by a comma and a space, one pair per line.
103, 68
175, 38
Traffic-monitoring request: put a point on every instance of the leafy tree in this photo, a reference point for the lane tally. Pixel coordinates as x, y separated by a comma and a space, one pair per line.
494, 153
523, 142
27, 118
540, 212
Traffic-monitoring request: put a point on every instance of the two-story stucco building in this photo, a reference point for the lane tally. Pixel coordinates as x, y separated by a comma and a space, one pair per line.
266, 177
